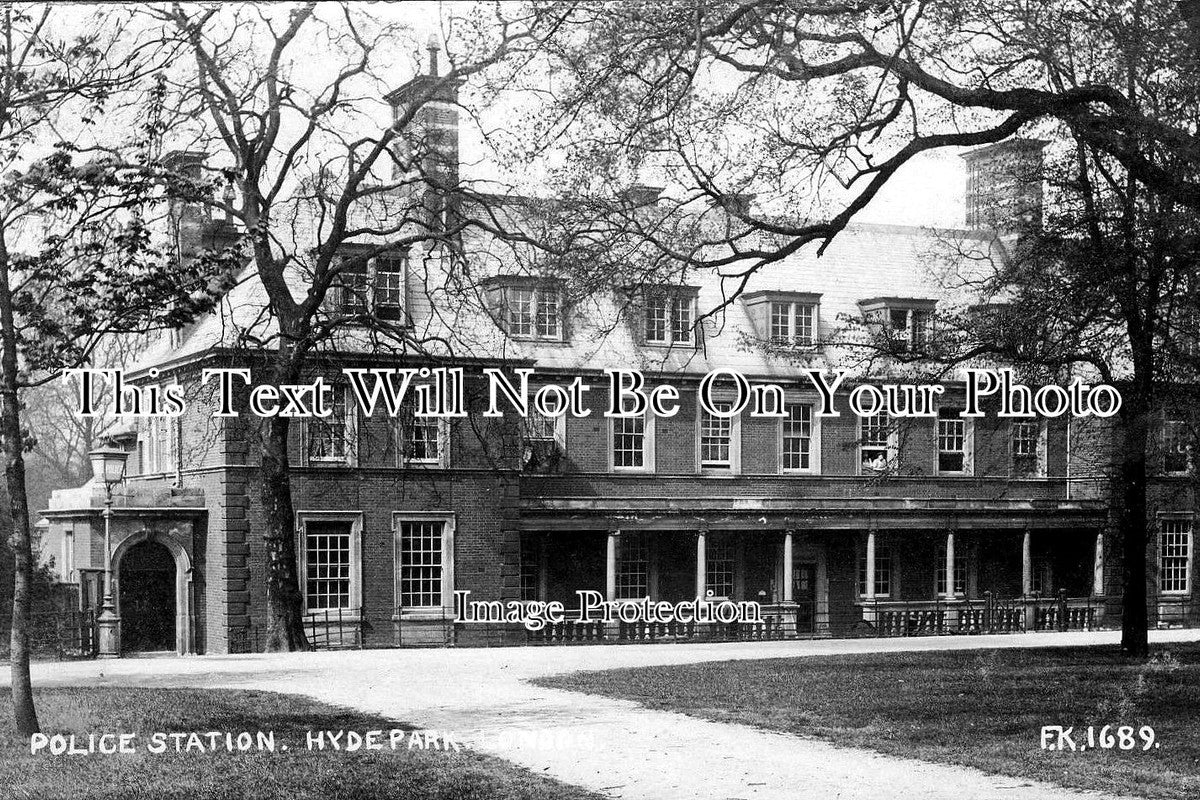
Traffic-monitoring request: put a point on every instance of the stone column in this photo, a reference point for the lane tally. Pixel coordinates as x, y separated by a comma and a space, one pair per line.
787, 567
951, 610
701, 563
1027, 580
869, 594
543, 566
949, 565
1098, 566
1026, 565
610, 566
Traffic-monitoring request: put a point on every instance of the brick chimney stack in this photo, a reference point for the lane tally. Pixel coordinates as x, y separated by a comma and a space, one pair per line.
434, 127
1004, 186
192, 224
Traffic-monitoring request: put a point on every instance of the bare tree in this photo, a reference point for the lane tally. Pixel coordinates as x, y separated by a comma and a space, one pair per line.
77, 262
315, 175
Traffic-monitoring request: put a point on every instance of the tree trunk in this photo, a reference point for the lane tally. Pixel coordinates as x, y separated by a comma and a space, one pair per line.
1130, 494
14, 473
285, 608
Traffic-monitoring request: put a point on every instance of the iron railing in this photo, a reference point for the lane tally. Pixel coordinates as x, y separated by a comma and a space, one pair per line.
58, 634
354, 628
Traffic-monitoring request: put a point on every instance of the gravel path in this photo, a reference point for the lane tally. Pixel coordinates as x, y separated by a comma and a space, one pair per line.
612, 746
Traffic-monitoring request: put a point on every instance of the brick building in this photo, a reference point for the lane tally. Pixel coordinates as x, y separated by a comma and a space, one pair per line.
835, 524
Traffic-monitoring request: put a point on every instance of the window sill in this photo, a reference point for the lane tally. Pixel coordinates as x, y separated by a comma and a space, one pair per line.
332, 616
539, 339
431, 614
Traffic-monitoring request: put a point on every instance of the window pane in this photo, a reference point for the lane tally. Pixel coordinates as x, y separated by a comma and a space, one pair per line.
326, 565
805, 330
656, 318
633, 566
327, 436
952, 439
781, 319
719, 564
681, 319
715, 436
420, 438
883, 572
797, 436
548, 314
530, 567
389, 288
1025, 448
353, 280
873, 447
1174, 555
420, 564
629, 442
520, 312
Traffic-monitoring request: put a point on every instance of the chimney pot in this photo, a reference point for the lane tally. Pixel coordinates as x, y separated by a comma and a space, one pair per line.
1004, 186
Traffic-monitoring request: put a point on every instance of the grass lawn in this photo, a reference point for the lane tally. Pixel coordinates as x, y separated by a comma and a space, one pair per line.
296, 774
984, 708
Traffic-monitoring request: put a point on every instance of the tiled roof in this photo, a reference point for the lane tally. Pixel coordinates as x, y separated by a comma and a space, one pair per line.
864, 261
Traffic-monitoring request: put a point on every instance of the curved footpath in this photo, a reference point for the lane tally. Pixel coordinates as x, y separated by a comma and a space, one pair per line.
611, 746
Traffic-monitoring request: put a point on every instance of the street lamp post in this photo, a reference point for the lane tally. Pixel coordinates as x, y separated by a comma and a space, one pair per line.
108, 466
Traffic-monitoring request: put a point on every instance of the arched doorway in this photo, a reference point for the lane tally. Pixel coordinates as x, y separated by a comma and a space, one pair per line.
147, 601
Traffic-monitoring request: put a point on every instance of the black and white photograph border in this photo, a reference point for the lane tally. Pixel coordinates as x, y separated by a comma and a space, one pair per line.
600, 400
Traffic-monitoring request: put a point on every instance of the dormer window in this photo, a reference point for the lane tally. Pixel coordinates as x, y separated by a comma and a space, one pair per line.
785, 318
528, 308
670, 316
371, 285
905, 324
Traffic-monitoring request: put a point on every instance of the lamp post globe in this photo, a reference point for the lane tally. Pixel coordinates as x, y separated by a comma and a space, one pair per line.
108, 467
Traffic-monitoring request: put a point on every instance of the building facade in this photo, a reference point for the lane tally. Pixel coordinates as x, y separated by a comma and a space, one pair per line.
835, 524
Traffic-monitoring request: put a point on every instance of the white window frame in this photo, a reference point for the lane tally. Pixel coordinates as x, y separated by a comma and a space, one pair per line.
634, 562
443, 443
370, 288
791, 334
161, 432
537, 293
814, 440
449, 521
355, 518
647, 446
1189, 541
349, 439
1040, 452
671, 299
968, 444
893, 446
734, 467
720, 558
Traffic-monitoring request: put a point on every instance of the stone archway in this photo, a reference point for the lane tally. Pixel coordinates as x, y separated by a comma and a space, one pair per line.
152, 582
